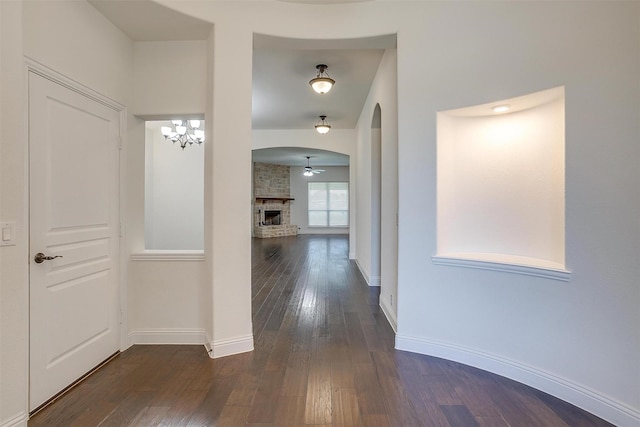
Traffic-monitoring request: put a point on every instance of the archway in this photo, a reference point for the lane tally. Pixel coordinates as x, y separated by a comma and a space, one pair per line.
376, 195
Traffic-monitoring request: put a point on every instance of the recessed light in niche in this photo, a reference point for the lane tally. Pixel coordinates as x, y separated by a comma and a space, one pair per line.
500, 108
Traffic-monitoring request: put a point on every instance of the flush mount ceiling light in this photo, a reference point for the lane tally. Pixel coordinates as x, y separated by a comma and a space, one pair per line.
323, 127
500, 108
322, 83
184, 131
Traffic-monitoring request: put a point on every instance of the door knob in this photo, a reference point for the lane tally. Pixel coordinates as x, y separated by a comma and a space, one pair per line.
40, 257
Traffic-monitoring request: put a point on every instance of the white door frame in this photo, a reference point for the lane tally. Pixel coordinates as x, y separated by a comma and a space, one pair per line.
36, 67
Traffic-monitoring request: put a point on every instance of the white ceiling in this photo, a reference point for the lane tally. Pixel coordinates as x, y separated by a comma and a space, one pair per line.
297, 156
144, 20
283, 98
282, 68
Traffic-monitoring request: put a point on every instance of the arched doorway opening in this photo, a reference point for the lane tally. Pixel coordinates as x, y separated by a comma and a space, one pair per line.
376, 196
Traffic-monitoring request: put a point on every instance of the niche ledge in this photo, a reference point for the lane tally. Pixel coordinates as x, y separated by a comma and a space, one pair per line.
505, 263
168, 255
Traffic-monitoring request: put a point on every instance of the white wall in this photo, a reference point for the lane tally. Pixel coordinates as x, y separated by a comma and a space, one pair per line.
579, 341
73, 39
376, 201
170, 79
383, 93
338, 140
168, 296
152, 79
228, 160
299, 191
14, 285
174, 193
167, 310
386, 93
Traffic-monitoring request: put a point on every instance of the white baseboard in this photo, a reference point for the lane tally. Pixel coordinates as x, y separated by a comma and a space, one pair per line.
228, 347
167, 336
388, 313
341, 230
590, 400
19, 420
207, 346
364, 274
219, 348
371, 280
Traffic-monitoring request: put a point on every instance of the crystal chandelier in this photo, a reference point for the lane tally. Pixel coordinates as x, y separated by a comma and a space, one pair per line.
184, 131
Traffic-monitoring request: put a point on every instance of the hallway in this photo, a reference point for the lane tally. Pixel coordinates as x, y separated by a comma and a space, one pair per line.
323, 356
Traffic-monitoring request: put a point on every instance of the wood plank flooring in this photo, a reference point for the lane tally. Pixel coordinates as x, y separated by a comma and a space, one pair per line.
323, 356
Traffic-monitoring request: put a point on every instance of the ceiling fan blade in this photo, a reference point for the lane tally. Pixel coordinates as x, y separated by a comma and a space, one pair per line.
317, 170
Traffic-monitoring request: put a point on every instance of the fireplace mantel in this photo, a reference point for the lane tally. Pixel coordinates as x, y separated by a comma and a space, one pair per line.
266, 199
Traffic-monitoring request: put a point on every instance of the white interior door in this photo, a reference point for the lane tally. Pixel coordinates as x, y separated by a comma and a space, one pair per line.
74, 177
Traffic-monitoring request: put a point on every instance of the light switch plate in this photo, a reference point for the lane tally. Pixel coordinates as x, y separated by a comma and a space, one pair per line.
7, 233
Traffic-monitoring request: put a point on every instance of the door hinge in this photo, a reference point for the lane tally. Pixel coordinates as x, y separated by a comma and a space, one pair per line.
119, 143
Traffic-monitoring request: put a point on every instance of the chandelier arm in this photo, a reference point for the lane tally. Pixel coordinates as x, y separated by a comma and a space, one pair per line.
188, 137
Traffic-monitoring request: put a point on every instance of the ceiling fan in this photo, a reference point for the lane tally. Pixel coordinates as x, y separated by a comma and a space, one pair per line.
309, 171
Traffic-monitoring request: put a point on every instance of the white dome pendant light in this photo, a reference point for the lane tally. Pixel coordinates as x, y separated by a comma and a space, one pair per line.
322, 83
323, 127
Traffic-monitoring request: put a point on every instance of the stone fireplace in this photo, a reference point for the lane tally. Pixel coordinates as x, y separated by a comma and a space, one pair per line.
272, 208
272, 217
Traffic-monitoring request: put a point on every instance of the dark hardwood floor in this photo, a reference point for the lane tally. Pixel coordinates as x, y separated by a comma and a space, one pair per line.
323, 357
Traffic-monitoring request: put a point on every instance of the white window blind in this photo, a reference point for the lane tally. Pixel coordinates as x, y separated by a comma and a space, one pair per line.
328, 204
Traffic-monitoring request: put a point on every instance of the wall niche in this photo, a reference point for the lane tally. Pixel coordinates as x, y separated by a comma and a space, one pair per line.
501, 185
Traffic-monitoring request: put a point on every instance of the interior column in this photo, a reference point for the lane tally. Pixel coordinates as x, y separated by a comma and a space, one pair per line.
228, 190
